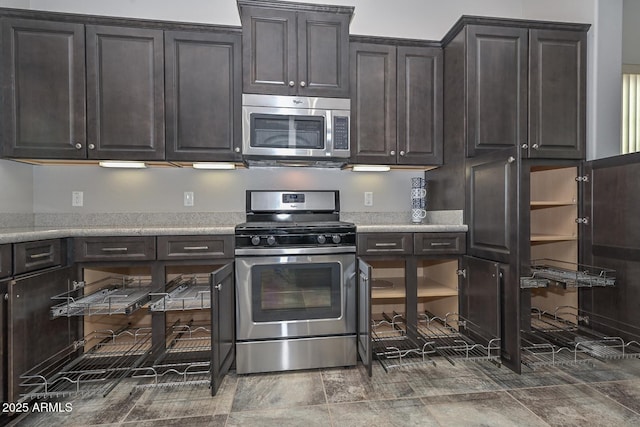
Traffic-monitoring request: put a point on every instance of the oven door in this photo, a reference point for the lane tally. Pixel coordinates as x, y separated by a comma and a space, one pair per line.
295, 295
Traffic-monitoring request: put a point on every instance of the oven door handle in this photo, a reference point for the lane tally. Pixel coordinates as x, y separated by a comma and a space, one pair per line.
316, 250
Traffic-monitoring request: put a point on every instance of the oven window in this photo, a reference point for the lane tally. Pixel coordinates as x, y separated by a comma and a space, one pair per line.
283, 131
296, 291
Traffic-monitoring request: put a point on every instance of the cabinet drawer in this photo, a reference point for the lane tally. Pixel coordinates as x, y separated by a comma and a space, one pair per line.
385, 243
5, 261
32, 256
439, 243
142, 248
195, 247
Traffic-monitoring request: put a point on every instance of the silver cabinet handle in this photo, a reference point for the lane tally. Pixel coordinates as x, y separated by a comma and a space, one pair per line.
525, 146
440, 243
114, 249
218, 287
535, 146
237, 149
402, 153
292, 83
196, 248
78, 146
37, 256
386, 245
392, 152
511, 159
303, 84
92, 147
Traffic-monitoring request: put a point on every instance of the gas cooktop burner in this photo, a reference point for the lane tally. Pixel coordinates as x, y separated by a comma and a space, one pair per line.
290, 219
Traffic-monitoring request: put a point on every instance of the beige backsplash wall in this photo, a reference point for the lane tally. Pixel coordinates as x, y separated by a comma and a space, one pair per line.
156, 190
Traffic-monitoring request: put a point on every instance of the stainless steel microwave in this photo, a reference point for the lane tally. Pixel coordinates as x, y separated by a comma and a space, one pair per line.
295, 128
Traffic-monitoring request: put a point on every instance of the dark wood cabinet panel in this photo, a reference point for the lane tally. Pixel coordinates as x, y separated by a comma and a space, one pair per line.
385, 243
38, 255
5, 261
493, 191
195, 247
373, 103
268, 51
43, 89
294, 49
223, 331
420, 105
497, 87
396, 103
557, 100
439, 243
135, 248
323, 54
203, 90
125, 93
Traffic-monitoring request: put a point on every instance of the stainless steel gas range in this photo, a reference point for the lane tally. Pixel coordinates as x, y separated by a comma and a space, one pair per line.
295, 283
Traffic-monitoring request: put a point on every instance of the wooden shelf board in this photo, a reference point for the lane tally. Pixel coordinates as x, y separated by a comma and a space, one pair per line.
541, 204
552, 238
425, 289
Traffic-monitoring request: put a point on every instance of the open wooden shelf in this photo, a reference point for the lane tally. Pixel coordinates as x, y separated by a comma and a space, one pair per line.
426, 289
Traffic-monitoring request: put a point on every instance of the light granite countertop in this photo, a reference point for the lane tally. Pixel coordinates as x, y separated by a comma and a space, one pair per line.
60, 226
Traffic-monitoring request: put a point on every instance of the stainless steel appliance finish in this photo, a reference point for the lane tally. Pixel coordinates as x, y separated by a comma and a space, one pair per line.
295, 130
295, 283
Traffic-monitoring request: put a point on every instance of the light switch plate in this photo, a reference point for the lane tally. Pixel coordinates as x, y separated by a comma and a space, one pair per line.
368, 198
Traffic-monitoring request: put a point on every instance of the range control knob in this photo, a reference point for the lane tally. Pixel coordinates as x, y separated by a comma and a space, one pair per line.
336, 238
321, 239
271, 240
255, 240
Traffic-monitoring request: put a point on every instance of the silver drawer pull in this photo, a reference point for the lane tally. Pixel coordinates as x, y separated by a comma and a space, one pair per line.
196, 248
440, 243
386, 245
37, 256
114, 249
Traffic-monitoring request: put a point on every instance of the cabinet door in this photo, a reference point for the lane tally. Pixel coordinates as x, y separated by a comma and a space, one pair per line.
5, 261
323, 54
365, 350
203, 91
373, 103
222, 324
497, 88
612, 240
125, 93
557, 99
32, 336
43, 89
269, 49
420, 106
493, 192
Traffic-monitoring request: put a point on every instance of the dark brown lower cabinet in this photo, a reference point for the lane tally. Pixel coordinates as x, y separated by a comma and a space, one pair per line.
412, 307
121, 311
561, 238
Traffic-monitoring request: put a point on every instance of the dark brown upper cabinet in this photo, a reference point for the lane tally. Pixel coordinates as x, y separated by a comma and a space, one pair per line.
43, 89
125, 93
396, 102
524, 85
203, 95
295, 49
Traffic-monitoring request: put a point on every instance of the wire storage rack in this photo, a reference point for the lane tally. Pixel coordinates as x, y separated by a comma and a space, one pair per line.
545, 272
191, 292
572, 336
111, 295
185, 361
95, 371
397, 344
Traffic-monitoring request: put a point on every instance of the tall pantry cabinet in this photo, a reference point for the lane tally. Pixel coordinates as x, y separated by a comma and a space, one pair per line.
514, 161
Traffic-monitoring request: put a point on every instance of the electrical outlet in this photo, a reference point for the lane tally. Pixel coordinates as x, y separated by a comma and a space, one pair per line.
77, 198
368, 198
188, 198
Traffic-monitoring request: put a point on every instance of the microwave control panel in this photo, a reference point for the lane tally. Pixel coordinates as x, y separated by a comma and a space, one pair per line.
340, 132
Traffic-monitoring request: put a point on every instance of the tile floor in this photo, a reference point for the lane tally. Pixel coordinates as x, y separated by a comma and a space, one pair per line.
479, 394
